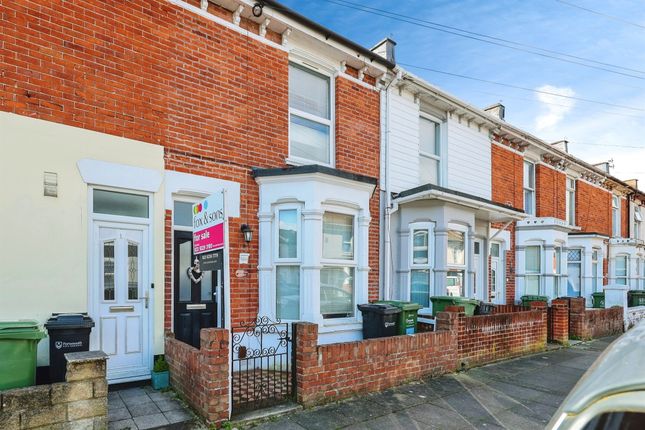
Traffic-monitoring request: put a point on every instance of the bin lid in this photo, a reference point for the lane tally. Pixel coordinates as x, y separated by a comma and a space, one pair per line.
404, 306
21, 329
455, 299
65, 321
384, 309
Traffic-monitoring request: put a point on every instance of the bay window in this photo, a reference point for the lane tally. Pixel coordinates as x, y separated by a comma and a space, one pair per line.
338, 266
429, 151
287, 276
615, 216
310, 116
532, 270
594, 271
529, 188
621, 269
456, 259
420, 265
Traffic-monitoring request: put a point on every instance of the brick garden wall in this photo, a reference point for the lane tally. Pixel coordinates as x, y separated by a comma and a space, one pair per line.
587, 324
550, 197
201, 375
78, 403
329, 372
488, 338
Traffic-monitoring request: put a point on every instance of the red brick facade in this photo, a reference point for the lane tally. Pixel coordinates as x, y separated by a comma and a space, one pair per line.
215, 99
625, 222
507, 177
593, 209
550, 198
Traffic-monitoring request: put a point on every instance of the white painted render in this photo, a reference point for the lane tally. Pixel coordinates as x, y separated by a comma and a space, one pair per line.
45, 239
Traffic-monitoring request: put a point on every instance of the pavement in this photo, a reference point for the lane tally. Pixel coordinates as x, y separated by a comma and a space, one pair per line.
143, 408
516, 394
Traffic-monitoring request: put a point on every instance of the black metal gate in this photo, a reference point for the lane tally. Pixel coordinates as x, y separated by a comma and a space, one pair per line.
263, 364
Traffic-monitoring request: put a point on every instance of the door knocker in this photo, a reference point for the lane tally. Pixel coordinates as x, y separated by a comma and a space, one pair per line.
194, 272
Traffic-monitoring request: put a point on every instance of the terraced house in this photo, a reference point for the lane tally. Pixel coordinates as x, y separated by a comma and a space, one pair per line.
345, 179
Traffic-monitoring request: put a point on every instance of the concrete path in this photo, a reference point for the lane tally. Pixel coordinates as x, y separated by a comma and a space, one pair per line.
144, 408
517, 394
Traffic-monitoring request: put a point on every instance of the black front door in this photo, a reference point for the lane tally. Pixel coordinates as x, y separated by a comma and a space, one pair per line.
195, 294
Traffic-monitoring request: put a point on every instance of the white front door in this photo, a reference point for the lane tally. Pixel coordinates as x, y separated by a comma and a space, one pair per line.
121, 294
480, 277
497, 274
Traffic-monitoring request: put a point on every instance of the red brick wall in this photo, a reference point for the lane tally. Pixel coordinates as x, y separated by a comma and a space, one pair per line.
150, 71
550, 199
487, 338
558, 321
507, 177
509, 264
329, 372
593, 323
201, 375
624, 218
593, 209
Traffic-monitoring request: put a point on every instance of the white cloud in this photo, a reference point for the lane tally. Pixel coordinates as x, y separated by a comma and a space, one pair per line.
554, 108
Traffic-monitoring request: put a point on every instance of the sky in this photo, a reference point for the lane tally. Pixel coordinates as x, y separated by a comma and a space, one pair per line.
607, 34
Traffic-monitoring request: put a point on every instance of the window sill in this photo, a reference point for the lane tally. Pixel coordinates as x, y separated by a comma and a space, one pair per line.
295, 161
346, 324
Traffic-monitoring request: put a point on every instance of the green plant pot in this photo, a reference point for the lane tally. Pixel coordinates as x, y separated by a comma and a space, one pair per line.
160, 380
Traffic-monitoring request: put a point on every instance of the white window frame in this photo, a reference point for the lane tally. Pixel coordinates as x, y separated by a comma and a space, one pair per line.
626, 276
571, 200
429, 266
581, 264
638, 219
439, 144
597, 262
615, 216
329, 262
529, 188
450, 267
540, 273
329, 72
277, 261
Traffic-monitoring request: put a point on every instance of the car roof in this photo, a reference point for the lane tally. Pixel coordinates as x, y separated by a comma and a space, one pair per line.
618, 369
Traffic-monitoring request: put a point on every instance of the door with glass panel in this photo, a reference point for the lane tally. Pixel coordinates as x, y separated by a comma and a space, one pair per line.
496, 274
574, 272
122, 252
195, 292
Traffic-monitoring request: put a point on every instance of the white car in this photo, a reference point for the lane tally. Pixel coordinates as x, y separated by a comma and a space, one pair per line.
611, 394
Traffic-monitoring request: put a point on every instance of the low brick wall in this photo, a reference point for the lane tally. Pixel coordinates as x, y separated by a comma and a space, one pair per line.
487, 338
201, 375
330, 372
78, 403
506, 309
633, 316
593, 323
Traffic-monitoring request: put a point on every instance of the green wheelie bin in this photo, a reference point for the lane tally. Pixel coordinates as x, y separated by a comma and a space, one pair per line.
439, 303
526, 300
408, 316
18, 345
598, 300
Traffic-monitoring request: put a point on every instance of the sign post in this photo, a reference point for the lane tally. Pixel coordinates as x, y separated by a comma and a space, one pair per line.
208, 224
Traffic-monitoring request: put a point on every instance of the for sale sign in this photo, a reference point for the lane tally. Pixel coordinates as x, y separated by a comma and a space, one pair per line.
208, 224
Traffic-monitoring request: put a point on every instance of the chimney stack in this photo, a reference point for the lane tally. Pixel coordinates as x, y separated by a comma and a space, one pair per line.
605, 166
632, 183
497, 110
562, 145
385, 48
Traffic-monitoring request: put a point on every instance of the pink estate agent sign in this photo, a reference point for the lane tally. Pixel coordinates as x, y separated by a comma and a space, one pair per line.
208, 224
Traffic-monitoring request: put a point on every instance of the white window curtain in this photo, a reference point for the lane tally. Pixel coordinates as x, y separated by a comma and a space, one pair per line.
456, 263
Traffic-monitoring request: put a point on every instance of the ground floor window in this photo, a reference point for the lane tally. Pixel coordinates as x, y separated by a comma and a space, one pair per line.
456, 263
621, 270
421, 256
532, 270
594, 271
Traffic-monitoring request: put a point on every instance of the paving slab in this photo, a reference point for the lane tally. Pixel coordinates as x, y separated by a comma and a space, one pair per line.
522, 393
142, 408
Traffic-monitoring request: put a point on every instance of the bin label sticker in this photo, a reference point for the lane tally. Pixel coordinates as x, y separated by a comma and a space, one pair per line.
60, 344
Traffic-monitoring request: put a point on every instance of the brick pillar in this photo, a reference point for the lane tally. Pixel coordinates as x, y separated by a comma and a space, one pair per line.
578, 323
541, 306
306, 363
560, 320
450, 318
214, 346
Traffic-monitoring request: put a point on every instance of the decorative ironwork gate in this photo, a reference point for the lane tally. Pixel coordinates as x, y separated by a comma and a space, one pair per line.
263, 364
